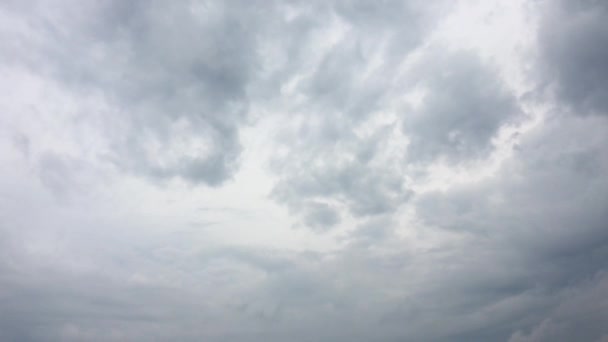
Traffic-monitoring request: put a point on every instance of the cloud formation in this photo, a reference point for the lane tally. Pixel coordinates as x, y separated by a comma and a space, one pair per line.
572, 42
463, 106
303, 171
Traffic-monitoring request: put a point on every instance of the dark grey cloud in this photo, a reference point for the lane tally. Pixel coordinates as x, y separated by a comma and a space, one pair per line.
573, 40
580, 316
464, 105
542, 220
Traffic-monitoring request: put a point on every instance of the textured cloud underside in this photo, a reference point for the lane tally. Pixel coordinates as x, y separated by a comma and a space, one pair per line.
304, 170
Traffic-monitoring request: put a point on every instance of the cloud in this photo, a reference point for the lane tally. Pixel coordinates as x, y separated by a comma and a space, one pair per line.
441, 199
538, 224
166, 72
581, 315
364, 189
338, 152
464, 104
349, 158
572, 42
320, 215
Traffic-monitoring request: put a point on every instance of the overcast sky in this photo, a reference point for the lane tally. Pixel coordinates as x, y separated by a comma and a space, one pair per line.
355, 170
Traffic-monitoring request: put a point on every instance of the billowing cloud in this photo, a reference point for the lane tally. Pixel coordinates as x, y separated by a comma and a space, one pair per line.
173, 76
303, 171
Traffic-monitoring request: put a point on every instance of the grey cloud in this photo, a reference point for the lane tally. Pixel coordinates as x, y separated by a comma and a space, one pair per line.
542, 219
573, 42
403, 24
320, 216
234, 294
334, 85
181, 78
328, 161
339, 86
361, 187
464, 106
581, 316
22, 143
374, 229
476, 289
368, 31
162, 67
530, 236
520, 254
63, 175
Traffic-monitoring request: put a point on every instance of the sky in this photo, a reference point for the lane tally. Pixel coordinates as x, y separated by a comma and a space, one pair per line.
391, 170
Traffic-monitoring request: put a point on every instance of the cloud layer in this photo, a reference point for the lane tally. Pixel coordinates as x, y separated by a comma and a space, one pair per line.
304, 171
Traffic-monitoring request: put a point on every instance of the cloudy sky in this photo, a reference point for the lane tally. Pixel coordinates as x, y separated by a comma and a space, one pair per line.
394, 170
